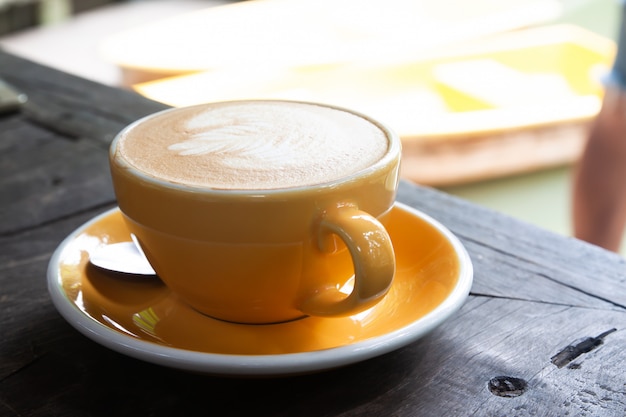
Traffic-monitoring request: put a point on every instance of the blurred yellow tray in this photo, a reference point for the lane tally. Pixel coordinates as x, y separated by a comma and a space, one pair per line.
509, 103
301, 33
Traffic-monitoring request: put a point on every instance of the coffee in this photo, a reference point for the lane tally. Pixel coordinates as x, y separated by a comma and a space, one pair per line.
253, 145
261, 211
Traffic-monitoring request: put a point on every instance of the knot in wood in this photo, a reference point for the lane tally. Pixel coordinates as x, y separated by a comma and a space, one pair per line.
507, 386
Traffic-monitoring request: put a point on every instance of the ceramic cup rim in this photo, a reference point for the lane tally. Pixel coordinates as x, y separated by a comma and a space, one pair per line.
391, 156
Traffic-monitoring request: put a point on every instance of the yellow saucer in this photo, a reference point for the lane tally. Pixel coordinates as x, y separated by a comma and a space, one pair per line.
140, 317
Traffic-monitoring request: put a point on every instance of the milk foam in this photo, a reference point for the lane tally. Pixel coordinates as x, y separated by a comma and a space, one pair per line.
253, 145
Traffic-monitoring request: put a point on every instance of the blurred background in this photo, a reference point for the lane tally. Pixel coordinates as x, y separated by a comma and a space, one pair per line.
492, 98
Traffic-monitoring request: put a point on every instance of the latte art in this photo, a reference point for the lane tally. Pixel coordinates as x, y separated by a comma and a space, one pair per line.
253, 145
246, 140
225, 133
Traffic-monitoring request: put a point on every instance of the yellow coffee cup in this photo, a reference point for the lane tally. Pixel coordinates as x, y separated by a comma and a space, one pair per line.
262, 211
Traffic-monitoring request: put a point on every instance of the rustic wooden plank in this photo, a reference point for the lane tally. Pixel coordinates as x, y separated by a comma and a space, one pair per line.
64, 178
519, 341
62, 134
73, 106
458, 360
512, 258
28, 321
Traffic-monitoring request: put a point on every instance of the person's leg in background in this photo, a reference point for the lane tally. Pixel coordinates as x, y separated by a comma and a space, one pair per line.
599, 195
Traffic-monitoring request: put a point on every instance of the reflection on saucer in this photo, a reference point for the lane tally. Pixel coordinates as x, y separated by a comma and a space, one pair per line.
144, 319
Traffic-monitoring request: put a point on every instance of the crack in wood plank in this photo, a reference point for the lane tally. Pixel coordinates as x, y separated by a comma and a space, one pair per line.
527, 261
580, 290
577, 348
503, 297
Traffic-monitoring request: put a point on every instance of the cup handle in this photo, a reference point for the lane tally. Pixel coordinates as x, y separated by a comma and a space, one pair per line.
372, 256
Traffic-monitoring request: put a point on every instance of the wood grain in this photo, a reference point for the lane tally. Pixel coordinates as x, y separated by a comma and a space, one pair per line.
62, 134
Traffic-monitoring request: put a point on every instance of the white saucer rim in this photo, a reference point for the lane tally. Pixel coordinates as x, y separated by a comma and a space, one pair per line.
262, 365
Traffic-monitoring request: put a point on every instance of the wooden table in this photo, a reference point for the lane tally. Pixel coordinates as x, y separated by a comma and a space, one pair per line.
535, 293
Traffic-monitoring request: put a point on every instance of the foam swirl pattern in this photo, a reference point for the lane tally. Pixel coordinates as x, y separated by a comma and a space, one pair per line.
253, 145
